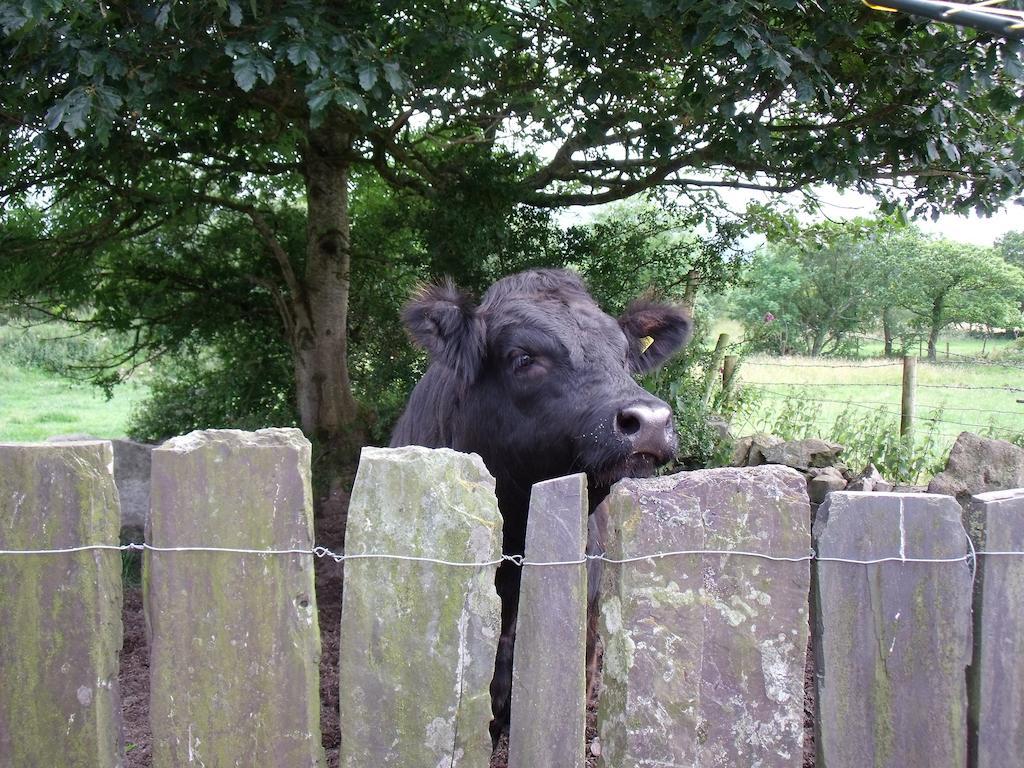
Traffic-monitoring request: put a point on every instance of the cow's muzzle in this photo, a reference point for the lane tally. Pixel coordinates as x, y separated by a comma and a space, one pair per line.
648, 430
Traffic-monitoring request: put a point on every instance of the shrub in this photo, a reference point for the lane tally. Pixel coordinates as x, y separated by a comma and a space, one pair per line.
55, 347
868, 437
237, 384
680, 383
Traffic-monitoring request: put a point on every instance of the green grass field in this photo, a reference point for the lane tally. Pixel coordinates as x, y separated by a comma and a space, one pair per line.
951, 397
797, 394
857, 402
952, 348
35, 405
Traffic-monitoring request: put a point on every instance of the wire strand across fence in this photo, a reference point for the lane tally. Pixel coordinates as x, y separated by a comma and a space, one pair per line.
520, 560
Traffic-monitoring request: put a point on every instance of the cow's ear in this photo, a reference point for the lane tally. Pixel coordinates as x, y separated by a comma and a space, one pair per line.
655, 332
446, 323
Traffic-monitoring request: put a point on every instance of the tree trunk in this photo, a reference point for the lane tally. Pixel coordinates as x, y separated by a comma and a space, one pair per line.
936, 327
690, 295
327, 409
820, 337
887, 324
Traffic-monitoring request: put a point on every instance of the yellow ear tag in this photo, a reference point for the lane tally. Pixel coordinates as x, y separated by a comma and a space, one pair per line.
645, 343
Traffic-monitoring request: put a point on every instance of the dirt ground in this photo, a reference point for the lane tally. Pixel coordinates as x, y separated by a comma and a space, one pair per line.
134, 675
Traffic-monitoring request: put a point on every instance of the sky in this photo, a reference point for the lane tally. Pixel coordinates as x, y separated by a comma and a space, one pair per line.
965, 229
836, 205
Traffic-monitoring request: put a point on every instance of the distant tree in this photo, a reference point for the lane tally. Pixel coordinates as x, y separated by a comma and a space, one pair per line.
140, 128
1011, 247
818, 284
887, 249
947, 282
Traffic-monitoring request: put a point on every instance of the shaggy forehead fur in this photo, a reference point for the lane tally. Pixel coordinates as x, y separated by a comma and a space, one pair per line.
556, 303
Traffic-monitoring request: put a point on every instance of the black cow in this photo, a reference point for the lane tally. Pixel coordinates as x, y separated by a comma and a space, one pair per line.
537, 380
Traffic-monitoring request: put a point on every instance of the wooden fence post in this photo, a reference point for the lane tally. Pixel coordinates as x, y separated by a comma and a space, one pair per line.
713, 364
60, 614
729, 370
235, 645
893, 639
704, 655
996, 723
418, 638
909, 395
549, 700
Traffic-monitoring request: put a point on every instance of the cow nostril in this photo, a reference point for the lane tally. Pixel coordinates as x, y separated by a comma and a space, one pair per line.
629, 422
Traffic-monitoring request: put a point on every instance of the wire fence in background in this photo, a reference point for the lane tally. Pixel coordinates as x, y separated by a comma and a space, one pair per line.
943, 417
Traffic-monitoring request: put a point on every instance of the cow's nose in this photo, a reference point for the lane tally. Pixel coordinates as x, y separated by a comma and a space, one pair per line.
648, 428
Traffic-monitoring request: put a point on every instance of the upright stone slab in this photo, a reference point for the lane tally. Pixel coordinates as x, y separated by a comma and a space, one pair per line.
418, 638
60, 614
996, 523
893, 638
704, 654
549, 700
235, 645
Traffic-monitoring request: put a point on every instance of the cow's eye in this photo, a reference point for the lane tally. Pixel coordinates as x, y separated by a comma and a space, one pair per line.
521, 361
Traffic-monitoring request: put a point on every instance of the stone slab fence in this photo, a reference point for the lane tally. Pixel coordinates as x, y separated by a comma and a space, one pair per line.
710, 596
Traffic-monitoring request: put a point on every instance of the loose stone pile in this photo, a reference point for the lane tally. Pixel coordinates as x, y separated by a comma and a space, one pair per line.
817, 460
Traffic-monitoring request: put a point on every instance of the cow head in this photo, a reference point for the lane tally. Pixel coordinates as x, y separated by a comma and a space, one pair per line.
539, 381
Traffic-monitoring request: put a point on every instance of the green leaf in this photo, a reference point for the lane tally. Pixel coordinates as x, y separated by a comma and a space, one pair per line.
79, 104
350, 99
108, 100
234, 13
781, 66
55, 115
86, 63
318, 101
265, 69
245, 73
300, 52
742, 47
162, 15
235, 49
804, 91
951, 151
367, 76
312, 61
12, 19
393, 74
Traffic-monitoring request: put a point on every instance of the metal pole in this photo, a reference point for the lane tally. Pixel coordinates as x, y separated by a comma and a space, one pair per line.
960, 14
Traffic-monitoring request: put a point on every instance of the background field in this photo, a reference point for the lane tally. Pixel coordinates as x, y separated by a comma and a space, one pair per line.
952, 397
35, 405
36, 402
791, 396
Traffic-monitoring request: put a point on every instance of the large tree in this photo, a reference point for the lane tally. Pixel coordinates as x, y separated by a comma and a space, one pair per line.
818, 283
823, 281
946, 282
1011, 247
129, 125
